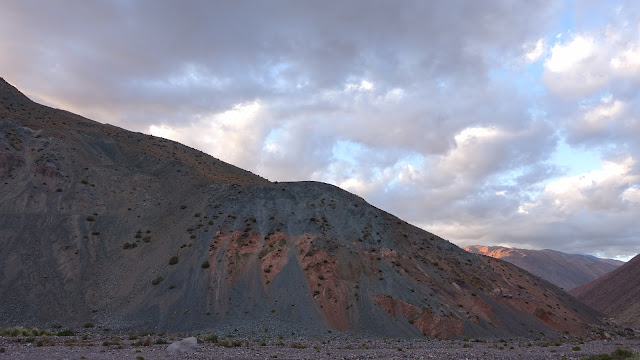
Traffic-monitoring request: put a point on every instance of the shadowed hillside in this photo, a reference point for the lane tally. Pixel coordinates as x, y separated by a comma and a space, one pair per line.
130, 231
565, 270
616, 294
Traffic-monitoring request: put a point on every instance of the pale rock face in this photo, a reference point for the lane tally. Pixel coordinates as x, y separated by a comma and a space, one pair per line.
188, 346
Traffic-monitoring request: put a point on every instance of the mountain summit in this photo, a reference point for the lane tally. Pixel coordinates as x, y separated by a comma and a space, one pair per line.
130, 231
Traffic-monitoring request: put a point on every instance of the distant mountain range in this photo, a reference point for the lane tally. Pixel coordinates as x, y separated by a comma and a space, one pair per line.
134, 232
568, 271
616, 294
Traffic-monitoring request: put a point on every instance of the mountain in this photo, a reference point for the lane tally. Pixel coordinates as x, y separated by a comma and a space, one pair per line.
565, 270
133, 232
616, 294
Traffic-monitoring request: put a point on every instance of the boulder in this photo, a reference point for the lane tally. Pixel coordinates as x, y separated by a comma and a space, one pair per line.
188, 345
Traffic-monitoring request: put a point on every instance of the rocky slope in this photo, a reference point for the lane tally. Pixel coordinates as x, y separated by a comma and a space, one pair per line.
129, 231
565, 270
616, 294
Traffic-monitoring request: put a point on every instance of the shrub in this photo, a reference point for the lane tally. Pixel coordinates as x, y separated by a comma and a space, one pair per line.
141, 342
88, 325
90, 218
622, 354
205, 265
157, 280
211, 338
160, 341
618, 354
129, 245
173, 260
67, 332
146, 239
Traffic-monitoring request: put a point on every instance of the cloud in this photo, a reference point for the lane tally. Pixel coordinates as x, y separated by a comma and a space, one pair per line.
534, 51
235, 135
417, 106
576, 67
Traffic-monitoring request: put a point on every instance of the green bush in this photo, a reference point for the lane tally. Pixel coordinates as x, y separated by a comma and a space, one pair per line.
173, 260
157, 280
90, 218
211, 338
67, 332
618, 354
205, 265
88, 325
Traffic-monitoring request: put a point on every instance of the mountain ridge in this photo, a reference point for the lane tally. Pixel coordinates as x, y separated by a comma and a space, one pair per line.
616, 294
129, 231
567, 271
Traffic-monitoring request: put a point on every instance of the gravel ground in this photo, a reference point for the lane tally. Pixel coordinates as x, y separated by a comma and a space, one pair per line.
95, 348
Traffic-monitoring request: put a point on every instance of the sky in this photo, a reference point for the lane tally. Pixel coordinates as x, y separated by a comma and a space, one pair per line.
513, 123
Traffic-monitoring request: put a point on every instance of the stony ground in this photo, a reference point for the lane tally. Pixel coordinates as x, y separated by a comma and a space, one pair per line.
97, 346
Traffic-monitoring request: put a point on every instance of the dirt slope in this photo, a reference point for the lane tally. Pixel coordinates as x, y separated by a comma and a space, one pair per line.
129, 231
565, 270
616, 294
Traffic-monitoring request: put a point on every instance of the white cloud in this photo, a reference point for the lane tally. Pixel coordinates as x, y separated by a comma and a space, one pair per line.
235, 135
596, 118
632, 194
566, 56
585, 63
534, 51
627, 62
597, 190
577, 67
364, 85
